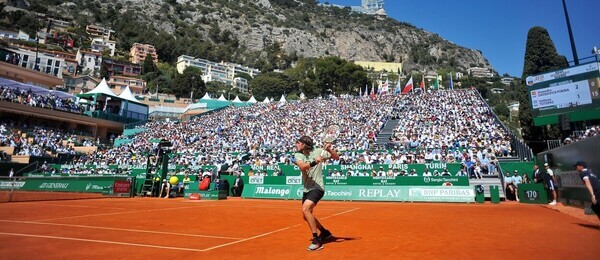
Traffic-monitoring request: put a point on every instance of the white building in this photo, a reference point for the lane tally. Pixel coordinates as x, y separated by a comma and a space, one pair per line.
101, 44
480, 72
44, 63
89, 62
212, 71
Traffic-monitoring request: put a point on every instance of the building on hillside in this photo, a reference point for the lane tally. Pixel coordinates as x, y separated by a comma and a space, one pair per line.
58, 23
39, 61
95, 31
380, 66
370, 7
458, 75
121, 68
12, 35
101, 44
119, 83
80, 83
89, 62
497, 90
480, 72
212, 71
139, 51
60, 39
241, 84
507, 80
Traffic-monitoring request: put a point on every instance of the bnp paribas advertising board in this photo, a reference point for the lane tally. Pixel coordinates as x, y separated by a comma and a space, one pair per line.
367, 193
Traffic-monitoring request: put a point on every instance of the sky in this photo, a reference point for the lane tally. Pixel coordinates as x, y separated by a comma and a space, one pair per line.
499, 28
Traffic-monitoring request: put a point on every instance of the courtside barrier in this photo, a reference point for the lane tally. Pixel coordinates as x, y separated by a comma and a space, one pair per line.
366, 193
532, 193
69, 184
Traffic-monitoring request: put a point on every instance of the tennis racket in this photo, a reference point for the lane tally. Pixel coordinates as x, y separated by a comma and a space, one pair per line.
330, 135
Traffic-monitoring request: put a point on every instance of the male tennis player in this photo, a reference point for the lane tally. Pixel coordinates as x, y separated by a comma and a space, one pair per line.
309, 160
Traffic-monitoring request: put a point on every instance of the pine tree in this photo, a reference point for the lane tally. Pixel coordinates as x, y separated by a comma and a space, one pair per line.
540, 56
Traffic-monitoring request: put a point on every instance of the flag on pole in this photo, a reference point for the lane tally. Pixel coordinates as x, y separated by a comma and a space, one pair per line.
451, 86
422, 84
360, 92
409, 86
398, 87
386, 86
436, 83
373, 89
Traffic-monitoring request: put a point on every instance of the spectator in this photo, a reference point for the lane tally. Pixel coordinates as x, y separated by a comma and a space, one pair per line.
238, 186
516, 181
509, 187
551, 183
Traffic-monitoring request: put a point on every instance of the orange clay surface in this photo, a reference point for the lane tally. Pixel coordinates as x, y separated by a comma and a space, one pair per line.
152, 228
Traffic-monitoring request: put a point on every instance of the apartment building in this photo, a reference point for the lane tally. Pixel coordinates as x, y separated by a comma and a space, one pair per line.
95, 31
480, 72
119, 68
139, 51
101, 44
39, 61
89, 62
215, 71
119, 83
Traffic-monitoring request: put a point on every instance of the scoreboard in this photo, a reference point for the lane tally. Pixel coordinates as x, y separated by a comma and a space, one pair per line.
567, 91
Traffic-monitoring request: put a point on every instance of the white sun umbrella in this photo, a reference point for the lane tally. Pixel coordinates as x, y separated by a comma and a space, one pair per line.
267, 100
282, 99
252, 100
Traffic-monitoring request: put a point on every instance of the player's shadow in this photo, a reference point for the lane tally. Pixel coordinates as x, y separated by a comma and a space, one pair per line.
340, 239
590, 226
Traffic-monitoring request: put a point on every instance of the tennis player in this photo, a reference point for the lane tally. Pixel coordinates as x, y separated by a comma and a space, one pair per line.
309, 160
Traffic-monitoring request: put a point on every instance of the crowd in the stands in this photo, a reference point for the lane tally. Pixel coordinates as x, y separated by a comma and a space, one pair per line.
50, 101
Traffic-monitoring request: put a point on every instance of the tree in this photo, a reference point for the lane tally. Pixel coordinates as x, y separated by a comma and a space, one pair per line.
190, 81
148, 66
272, 84
540, 56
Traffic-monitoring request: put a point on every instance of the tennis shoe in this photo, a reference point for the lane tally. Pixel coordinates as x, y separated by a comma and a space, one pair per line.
315, 245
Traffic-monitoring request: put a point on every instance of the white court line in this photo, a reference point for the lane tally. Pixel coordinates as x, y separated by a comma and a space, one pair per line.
79, 206
104, 242
115, 213
250, 238
119, 229
167, 247
347, 211
272, 232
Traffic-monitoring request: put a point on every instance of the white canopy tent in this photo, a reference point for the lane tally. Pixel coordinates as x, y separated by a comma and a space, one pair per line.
206, 97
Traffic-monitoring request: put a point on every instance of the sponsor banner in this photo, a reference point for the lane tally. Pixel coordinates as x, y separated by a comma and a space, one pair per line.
368, 169
445, 194
73, 184
293, 180
398, 181
8, 185
367, 193
256, 179
121, 186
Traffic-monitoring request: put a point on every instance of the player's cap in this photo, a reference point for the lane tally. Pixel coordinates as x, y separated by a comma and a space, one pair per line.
545, 164
581, 163
164, 179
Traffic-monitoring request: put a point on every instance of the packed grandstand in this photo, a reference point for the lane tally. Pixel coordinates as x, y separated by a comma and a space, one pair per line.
452, 126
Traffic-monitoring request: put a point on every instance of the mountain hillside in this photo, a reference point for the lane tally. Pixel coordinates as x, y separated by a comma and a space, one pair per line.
267, 34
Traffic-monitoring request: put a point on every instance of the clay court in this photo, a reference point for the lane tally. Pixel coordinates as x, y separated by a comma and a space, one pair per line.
151, 228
